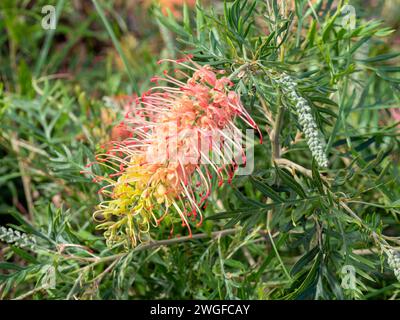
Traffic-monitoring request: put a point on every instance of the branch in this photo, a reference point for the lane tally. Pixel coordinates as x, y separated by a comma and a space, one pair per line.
281, 162
26, 181
155, 244
215, 234
276, 146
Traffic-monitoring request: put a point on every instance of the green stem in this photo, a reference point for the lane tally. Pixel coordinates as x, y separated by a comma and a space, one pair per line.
49, 37
275, 248
155, 244
238, 70
117, 46
276, 146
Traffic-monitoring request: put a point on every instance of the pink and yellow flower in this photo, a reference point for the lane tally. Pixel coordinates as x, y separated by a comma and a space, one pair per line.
165, 162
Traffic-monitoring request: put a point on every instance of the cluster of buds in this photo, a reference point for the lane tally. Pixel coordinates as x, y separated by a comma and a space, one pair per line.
313, 136
394, 262
164, 164
16, 238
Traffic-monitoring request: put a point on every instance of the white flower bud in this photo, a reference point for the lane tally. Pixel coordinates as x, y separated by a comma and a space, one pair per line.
16, 238
306, 120
394, 262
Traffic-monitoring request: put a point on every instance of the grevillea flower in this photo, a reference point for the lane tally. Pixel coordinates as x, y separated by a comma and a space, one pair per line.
170, 152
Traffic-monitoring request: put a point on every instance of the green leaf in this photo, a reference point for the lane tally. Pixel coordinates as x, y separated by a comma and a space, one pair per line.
234, 264
266, 190
289, 181
304, 261
380, 58
10, 266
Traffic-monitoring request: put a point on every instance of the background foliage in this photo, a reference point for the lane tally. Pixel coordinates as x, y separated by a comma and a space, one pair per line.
284, 232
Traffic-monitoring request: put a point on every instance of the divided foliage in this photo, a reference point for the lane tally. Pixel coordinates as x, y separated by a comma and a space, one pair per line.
287, 231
